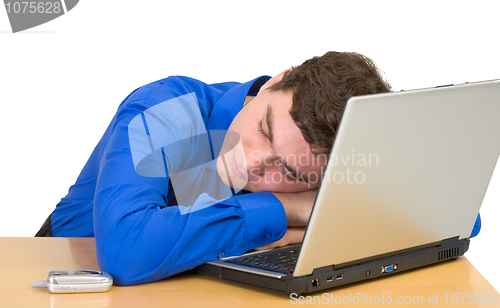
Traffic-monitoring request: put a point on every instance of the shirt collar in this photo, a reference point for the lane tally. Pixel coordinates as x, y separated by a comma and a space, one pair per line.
226, 109
228, 106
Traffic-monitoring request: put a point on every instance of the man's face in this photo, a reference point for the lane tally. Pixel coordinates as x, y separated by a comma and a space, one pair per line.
272, 154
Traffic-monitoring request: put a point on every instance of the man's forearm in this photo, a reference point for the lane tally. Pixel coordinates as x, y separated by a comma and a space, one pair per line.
297, 206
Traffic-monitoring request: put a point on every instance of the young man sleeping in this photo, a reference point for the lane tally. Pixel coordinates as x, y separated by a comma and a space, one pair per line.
188, 172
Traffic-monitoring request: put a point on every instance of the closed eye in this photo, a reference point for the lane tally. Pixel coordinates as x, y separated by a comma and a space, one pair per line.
261, 129
287, 173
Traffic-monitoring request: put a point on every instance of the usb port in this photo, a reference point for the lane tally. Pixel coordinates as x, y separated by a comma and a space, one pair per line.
340, 276
329, 279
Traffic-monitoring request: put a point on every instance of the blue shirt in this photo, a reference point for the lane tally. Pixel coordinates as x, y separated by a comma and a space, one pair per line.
124, 194
141, 234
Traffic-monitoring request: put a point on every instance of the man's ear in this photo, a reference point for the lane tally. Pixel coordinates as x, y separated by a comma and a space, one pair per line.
273, 81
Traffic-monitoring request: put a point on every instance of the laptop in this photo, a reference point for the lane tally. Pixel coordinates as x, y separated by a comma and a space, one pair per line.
403, 186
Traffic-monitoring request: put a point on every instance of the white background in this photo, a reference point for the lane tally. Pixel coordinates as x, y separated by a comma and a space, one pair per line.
61, 82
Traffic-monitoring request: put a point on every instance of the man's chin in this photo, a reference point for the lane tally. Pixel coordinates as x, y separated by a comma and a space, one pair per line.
252, 188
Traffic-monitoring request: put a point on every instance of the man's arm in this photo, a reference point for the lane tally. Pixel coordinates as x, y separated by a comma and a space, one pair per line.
298, 207
140, 237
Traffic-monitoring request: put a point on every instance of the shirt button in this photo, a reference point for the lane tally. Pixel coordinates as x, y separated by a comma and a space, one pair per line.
268, 235
221, 254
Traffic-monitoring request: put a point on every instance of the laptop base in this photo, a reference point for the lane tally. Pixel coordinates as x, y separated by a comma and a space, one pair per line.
329, 277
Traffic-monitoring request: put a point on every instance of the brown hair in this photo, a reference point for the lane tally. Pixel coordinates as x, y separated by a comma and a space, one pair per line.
321, 87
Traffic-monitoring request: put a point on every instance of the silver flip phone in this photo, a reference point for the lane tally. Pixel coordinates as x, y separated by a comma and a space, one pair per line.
76, 281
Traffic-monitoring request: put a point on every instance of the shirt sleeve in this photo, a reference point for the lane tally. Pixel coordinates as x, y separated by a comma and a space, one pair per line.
141, 238
477, 226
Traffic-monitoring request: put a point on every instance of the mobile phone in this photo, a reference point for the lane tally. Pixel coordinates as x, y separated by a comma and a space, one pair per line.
76, 281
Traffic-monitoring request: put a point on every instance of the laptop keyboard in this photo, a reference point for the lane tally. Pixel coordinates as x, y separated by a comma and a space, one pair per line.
281, 261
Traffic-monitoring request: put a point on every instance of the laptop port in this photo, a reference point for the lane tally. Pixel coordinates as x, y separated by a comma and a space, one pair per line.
340, 276
389, 268
329, 279
315, 283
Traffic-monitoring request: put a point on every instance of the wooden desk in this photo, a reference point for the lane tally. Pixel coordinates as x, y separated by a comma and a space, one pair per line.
24, 260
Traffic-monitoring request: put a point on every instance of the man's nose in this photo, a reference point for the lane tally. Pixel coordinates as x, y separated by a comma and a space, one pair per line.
258, 161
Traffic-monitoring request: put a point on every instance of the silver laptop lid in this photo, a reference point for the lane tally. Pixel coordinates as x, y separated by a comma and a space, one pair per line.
406, 169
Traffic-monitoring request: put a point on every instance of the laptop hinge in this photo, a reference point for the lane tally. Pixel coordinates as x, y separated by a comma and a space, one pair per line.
450, 241
322, 270
445, 242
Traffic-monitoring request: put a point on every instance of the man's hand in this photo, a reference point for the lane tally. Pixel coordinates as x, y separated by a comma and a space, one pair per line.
298, 206
293, 235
